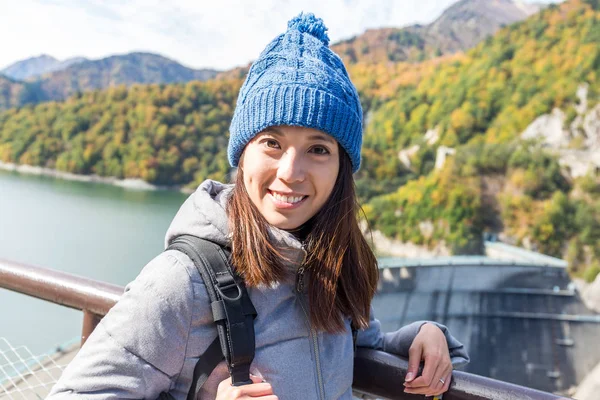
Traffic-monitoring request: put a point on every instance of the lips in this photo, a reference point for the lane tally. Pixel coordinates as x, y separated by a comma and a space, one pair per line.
289, 198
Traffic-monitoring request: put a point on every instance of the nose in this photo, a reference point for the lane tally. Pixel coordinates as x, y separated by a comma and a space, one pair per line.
291, 167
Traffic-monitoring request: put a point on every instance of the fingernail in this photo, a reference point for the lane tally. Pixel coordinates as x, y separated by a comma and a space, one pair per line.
409, 376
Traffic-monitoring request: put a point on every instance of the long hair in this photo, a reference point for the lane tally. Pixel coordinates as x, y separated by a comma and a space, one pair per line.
340, 266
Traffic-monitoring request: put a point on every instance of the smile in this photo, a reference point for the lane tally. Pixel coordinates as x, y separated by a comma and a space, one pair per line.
290, 199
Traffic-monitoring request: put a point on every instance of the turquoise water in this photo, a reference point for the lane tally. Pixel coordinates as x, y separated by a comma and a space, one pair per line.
94, 230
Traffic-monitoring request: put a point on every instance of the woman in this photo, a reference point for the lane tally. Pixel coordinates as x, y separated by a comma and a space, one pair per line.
290, 220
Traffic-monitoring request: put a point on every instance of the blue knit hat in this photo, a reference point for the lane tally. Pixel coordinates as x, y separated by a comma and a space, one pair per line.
297, 80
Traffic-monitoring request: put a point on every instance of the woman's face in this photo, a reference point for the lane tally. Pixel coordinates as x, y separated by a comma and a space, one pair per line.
289, 173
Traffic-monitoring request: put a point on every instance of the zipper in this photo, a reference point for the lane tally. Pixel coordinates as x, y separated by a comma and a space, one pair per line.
300, 280
300, 272
313, 334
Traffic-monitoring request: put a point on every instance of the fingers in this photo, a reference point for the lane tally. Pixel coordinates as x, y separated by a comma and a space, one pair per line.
224, 384
227, 382
429, 345
271, 397
414, 360
258, 389
441, 382
256, 379
239, 392
432, 363
432, 383
446, 384
436, 388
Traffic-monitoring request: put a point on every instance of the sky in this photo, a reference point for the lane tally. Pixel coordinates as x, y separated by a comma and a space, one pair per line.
218, 34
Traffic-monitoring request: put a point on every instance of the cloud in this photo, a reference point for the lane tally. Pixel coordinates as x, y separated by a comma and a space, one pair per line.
198, 33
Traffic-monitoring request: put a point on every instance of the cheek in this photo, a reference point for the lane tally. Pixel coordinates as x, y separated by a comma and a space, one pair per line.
256, 177
326, 180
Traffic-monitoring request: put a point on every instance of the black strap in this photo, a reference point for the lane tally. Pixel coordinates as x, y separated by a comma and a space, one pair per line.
232, 310
205, 365
233, 313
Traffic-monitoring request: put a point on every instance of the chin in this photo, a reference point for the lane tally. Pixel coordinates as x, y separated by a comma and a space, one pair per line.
285, 224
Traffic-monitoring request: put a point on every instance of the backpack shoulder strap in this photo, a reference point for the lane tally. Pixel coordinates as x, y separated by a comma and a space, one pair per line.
232, 309
354, 337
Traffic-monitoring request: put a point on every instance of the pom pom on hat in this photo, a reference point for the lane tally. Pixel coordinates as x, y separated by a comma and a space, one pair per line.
308, 23
298, 81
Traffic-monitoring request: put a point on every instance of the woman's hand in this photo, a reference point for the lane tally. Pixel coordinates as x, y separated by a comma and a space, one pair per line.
257, 390
431, 347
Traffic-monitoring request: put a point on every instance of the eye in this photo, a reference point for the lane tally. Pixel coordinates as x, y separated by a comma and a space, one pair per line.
271, 143
320, 150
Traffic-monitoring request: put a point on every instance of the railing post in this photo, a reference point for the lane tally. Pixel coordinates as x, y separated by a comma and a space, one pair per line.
90, 321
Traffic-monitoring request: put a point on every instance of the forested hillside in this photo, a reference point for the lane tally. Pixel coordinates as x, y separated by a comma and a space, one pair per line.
164, 134
476, 107
444, 156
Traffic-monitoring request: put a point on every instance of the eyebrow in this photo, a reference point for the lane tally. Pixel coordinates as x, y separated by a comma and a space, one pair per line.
325, 138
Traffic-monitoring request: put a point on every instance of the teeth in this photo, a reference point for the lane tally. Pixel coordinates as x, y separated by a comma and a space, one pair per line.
287, 199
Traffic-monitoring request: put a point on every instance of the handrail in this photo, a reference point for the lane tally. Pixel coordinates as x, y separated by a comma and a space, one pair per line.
381, 374
59, 287
375, 373
92, 297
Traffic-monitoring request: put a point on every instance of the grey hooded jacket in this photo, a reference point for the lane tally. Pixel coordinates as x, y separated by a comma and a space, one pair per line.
150, 340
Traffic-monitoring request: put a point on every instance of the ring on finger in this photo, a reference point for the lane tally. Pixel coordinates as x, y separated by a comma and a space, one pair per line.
442, 380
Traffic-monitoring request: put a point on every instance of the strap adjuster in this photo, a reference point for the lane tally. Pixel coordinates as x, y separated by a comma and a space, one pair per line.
227, 287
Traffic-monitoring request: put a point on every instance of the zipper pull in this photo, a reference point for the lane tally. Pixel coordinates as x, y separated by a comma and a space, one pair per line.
304, 253
300, 279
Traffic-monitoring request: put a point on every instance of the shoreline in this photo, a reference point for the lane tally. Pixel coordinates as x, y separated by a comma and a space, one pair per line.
132, 184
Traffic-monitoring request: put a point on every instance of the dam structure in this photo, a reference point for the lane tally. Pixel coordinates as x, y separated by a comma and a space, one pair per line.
521, 321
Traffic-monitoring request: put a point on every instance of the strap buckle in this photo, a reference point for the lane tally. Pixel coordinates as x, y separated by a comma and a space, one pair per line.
228, 286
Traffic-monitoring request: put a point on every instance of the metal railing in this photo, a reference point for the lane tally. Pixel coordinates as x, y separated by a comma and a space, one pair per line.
92, 297
376, 373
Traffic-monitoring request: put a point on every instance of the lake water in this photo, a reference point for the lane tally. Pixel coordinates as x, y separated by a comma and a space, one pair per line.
94, 230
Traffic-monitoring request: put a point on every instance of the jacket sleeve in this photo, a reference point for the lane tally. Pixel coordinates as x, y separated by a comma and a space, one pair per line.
139, 347
399, 342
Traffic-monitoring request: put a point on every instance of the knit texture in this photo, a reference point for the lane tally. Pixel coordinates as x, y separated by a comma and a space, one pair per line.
297, 80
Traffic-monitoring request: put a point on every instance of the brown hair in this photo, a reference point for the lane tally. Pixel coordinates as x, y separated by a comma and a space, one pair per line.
341, 267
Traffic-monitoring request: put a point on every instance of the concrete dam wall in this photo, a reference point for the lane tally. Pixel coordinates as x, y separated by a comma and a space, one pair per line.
521, 322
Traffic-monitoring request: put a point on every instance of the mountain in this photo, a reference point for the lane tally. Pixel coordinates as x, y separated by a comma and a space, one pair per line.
447, 155
476, 140
86, 75
117, 70
467, 22
15, 93
459, 28
9, 92
36, 66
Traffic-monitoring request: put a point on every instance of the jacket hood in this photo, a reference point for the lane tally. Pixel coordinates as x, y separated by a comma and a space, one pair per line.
204, 214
